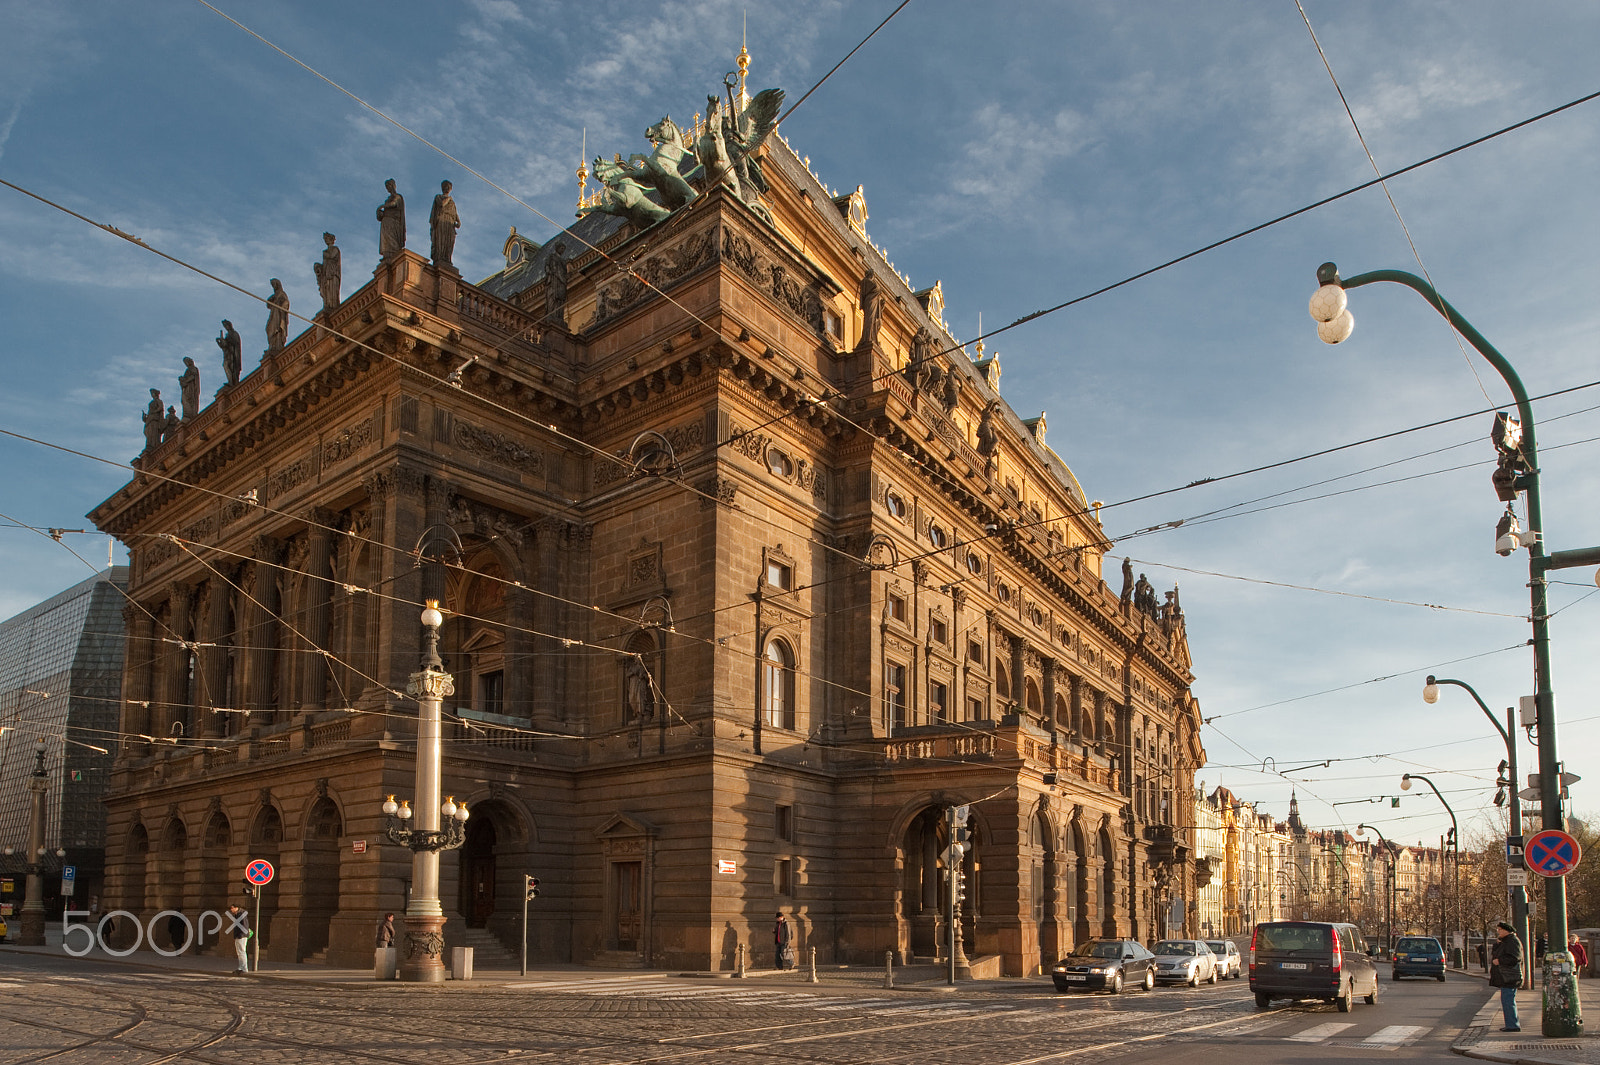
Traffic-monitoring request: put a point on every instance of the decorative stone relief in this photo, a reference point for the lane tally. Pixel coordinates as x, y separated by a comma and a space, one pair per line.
717, 490
347, 442
486, 521
802, 473
654, 273
803, 300
497, 448
289, 477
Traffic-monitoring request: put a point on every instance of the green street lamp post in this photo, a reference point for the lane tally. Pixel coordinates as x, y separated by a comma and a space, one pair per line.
1455, 846
1519, 472
1389, 849
1508, 733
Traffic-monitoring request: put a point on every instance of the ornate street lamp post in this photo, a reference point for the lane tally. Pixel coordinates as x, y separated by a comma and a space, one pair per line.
32, 934
1455, 847
1388, 920
1508, 733
1519, 472
423, 960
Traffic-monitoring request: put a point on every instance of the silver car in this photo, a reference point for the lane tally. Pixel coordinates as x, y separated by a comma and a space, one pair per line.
1185, 961
1229, 963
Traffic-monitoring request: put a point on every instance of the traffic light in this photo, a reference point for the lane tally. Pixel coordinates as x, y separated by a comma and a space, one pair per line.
961, 882
530, 887
249, 888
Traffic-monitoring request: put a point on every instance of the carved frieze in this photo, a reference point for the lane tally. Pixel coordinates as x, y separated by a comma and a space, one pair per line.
497, 448
716, 490
287, 478
803, 473
774, 278
654, 273
347, 442
486, 521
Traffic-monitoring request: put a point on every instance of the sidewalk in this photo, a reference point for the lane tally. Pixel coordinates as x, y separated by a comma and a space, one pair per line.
924, 978
1483, 1038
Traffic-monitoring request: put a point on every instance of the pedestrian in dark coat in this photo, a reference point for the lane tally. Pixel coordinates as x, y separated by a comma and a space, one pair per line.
385, 931
1506, 974
783, 942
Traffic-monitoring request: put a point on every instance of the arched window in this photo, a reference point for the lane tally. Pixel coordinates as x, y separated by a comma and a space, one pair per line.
1002, 681
1032, 698
777, 685
324, 821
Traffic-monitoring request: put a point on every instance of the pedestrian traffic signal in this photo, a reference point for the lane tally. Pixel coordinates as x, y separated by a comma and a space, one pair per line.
530, 887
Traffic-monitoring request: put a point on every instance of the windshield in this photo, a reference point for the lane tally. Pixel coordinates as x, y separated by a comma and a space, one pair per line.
1111, 949
1174, 946
1419, 945
1292, 937
1218, 946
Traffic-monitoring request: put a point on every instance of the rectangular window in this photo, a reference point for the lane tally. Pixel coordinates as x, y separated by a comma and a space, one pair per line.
492, 692
938, 700
974, 709
894, 694
785, 822
938, 632
783, 877
975, 651
779, 575
897, 607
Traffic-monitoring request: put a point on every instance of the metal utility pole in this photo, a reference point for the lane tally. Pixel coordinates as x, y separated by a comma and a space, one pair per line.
955, 957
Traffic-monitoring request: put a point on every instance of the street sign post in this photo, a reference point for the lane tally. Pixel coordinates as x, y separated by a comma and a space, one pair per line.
1552, 853
1516, 878
1514, 852
69, 879
260, 873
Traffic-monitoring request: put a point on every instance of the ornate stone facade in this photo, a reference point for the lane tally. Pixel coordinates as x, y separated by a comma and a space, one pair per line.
687, 560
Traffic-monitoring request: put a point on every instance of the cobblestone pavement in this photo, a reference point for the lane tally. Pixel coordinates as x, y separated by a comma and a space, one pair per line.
78, 1012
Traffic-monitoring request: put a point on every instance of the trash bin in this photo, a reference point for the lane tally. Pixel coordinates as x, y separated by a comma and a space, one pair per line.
1457, 958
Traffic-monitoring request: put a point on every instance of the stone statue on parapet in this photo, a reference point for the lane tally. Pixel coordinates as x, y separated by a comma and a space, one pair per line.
232, 353
277, 317
329, 273
1126, 599
391, 223
189, 388
169, 425
155, 422
555, 285
443, 221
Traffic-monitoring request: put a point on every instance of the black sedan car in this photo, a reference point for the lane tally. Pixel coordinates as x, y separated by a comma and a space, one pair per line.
1105, 965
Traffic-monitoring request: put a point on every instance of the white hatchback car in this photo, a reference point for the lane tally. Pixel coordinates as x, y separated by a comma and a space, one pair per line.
1229, 963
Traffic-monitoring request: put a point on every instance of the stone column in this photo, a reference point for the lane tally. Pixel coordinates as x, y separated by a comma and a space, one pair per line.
214, 655
519, 652
546, 618
1019, 682
1047, 671
319, 587
264, 629
138, 661
177, 700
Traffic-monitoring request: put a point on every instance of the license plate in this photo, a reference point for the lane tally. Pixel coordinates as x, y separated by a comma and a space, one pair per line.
1293, 965
1076, 976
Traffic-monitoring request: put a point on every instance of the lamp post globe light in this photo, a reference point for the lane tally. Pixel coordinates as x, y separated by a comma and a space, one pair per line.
423, 957
1455, 846
1518, 474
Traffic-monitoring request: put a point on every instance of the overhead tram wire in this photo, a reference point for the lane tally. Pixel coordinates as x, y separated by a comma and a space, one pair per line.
1297, 212
1410, 242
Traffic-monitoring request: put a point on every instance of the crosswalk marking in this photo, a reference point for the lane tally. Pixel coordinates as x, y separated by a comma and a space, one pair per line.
1318, 1033
1393, 1035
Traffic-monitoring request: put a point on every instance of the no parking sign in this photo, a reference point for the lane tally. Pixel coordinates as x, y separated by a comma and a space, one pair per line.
1552, 853
259, 872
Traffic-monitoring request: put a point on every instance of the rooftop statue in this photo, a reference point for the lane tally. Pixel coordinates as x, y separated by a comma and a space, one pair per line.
391, 223
277, 317
232, 353
443, 221
624, 195
329, 273
679, 170
155, 421
189, 388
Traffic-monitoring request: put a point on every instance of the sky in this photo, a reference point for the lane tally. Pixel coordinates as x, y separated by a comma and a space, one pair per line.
1021, 154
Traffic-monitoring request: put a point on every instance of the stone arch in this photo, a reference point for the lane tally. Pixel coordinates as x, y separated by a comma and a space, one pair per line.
266, 841
174, 836
517, 826
320, 830
216, 841
490, 864
1043, 869
779, 694
1062, 713
1002, 680
1078, 875
1031, 699
266, 828
218, 832
919, 837
134, 870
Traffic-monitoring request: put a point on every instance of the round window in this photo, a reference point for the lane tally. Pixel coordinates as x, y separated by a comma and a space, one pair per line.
779, 463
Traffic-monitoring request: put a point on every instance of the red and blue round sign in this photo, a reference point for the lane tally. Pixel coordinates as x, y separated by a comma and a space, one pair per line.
259, 872
1552, 853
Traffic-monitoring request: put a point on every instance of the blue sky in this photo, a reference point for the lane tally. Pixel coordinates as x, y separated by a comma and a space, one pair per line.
1022, 154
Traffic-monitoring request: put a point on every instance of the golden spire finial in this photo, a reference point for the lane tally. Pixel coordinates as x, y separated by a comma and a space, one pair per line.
744, 62
980, 333
583, 171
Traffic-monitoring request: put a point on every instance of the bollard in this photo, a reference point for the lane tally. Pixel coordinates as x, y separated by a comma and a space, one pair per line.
813, 978
738, 973
888, 968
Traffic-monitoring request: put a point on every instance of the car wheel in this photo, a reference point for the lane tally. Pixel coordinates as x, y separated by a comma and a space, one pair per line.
1213, 979
1194, 980
1346, 993
1116, 984
1441, 978
1149, 980
1372, 999
1263, 1000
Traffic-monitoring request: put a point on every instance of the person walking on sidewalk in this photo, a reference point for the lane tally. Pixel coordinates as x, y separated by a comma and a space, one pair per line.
783, 941
1580, 955
1506, 974
385, 931
239, 928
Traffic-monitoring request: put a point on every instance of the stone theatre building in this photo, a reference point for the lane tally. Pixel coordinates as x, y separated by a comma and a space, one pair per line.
749, 573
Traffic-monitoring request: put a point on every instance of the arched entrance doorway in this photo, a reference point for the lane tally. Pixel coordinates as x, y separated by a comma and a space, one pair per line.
320, 901
476, 903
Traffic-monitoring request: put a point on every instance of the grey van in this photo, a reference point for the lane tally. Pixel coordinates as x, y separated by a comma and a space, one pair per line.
1311, 959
